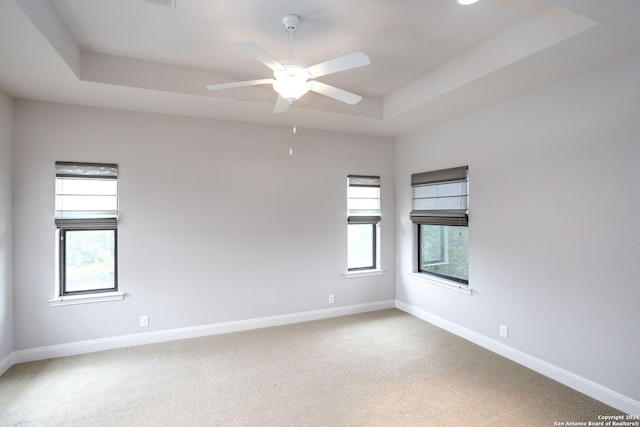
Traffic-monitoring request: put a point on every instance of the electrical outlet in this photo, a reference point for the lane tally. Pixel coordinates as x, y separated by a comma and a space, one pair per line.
331, 299
504, 331
144, 321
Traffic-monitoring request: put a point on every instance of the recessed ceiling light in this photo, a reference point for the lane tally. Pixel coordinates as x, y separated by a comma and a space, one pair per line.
467, 2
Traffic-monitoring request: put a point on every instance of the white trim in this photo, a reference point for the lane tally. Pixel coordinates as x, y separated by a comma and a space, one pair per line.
576, 382
363, 273
7, 363
447, 284
86, 298
91, 346
596, 391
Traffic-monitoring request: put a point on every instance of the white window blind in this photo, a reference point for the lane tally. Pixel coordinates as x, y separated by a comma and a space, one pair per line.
363, 199
86, 195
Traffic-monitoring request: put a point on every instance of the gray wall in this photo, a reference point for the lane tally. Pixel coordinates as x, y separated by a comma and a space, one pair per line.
6, 227
554, 240
218, 222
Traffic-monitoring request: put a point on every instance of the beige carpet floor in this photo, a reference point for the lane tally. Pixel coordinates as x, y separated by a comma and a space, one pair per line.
383, 368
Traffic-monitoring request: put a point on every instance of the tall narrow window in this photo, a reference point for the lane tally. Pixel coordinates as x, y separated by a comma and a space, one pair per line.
440, 212
363, 203
87, 222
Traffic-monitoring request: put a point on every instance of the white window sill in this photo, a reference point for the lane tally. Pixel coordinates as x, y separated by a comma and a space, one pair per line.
363, 273
86, 299
447, 284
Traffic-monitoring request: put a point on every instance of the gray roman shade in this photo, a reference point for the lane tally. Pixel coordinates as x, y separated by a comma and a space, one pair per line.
363, 199
441, 197
86, 195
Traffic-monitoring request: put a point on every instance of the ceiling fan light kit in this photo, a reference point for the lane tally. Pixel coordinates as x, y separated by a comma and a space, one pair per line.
293, 81
292, 77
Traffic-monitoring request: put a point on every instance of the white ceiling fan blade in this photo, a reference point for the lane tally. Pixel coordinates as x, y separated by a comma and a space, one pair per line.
262, 56
282, 105
240, 84
346, 62
335, 93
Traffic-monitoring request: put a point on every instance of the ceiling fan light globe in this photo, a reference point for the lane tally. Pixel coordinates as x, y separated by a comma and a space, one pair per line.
291, 88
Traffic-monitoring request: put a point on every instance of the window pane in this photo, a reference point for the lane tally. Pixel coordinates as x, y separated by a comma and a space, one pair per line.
89, 260
444, 251
361, 246
432, 244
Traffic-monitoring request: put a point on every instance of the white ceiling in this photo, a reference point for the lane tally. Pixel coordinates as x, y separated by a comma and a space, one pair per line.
430, 60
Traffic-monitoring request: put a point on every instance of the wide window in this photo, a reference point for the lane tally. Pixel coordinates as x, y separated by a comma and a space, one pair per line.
87, 222
440, 212
363, 203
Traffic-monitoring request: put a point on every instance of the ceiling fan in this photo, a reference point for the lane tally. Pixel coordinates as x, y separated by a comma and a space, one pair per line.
292, 77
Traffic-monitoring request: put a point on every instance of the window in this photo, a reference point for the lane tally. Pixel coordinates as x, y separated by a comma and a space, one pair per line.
87, 227
440, 212
362, 246
363, 203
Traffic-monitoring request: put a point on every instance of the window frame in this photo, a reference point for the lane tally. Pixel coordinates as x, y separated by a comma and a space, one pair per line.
368, 213
443, 261
82, 218
440, 198
375, 250
62, 251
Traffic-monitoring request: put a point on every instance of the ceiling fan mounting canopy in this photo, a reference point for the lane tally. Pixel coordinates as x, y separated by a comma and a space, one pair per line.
291, 77
291, 22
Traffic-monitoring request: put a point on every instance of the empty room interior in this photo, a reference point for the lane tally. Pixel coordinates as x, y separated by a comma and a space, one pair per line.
362, 176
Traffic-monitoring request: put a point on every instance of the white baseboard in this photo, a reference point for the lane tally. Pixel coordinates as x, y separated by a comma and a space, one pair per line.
90, 346
7, 363
598, 392
583, 385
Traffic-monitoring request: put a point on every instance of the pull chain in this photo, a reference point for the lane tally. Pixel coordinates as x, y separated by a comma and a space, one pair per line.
292, 126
